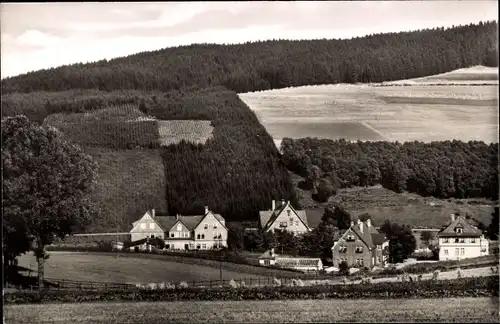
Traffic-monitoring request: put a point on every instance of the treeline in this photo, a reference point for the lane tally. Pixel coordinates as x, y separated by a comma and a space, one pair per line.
278, 64
448, 169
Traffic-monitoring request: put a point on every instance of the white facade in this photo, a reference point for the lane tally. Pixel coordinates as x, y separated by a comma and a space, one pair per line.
451, 248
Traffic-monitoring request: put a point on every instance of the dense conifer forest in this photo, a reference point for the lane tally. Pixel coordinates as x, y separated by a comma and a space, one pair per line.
239, 171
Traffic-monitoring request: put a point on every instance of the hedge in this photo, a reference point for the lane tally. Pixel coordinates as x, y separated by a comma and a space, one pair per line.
465, 287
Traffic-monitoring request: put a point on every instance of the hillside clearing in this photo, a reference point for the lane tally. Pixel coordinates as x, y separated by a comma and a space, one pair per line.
420, 112
194, 131
405, 208
459, 310
107, 268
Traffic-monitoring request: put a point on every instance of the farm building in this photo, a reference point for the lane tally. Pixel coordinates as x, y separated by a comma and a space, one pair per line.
461, 240
196, 232
362, 245
270, 258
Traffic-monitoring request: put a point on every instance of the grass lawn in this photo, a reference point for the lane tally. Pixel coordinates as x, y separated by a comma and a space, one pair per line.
107, 268
459, 310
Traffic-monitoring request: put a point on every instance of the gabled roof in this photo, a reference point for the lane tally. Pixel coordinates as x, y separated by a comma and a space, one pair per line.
467, 229
268, 217
370, 235
190, 221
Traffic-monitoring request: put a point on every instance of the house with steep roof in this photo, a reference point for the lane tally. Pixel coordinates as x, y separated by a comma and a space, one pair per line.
362, 245
283, 217
194, 232
305, 264
461, 240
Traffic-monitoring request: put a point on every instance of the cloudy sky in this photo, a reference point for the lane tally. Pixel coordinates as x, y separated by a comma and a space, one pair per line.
42, 35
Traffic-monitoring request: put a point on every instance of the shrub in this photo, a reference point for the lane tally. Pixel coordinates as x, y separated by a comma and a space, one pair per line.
435, 275
243, 284
276, 282
297, 283
183, 285
233, 284
343, 268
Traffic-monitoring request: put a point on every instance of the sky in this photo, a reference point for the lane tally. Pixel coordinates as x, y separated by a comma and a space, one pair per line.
36, 36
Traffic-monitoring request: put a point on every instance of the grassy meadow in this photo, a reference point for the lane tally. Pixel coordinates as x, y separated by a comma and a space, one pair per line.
130, 269
458, 310
422, 111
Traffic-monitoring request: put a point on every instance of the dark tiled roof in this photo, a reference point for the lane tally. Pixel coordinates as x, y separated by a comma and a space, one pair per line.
467, 229
370, 236
190, 221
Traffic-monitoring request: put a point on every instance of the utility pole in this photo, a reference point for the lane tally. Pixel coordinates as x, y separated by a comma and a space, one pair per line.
220, 260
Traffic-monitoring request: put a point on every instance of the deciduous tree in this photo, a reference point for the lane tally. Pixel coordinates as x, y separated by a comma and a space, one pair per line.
46, 186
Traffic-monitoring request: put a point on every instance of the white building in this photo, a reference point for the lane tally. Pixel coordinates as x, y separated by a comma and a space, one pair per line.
283, 217
461, 240
305, 264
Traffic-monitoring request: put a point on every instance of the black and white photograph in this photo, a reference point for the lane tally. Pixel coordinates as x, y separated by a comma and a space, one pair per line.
250, 162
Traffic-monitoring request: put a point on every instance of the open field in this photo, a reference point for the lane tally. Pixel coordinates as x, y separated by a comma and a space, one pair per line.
107, 268
473, 75
404, 208
459, 310
370, 112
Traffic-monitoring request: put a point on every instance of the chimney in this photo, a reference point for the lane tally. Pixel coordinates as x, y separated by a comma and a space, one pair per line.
282, 201
360, 226
272, 252
206, 209
359, 221
352, 223
452, 216
369, 223
273, 205
177, 217
153, 212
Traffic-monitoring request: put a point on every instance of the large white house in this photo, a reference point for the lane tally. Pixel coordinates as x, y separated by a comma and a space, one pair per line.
196, 232
283, 217
460, 240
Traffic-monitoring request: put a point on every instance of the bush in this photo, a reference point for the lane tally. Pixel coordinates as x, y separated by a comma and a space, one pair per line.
276, 282
343, 268
233, 284
183, 285
297, 283
435, 275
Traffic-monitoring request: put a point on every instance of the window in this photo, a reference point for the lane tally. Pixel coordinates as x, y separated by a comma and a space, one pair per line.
457, 251
171, 234
359, 261
215, 226
379, 247
198, 247
198, 236
173, 246
462, 251
350, 237
457, 240
462, 240
179, 227
151, 225
473, 240
458, 230
378, 259
288, 213
152, 236
283, 224
202, 236
206, 226
143, 226
204, 246
446, 240
343, 249
167, 246
359, 249
446, 252
267, 262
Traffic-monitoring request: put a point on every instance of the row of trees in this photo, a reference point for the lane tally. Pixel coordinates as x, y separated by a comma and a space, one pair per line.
441, 169
278, 64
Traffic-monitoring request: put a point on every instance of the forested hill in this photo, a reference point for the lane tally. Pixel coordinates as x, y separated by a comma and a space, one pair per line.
278, 64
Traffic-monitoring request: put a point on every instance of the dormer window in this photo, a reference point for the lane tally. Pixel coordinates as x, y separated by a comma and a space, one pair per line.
350, 237
458, 230
283, 224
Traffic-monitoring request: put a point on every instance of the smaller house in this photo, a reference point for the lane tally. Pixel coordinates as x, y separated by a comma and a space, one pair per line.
283, 217
362, 245
305, 264
461, 240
